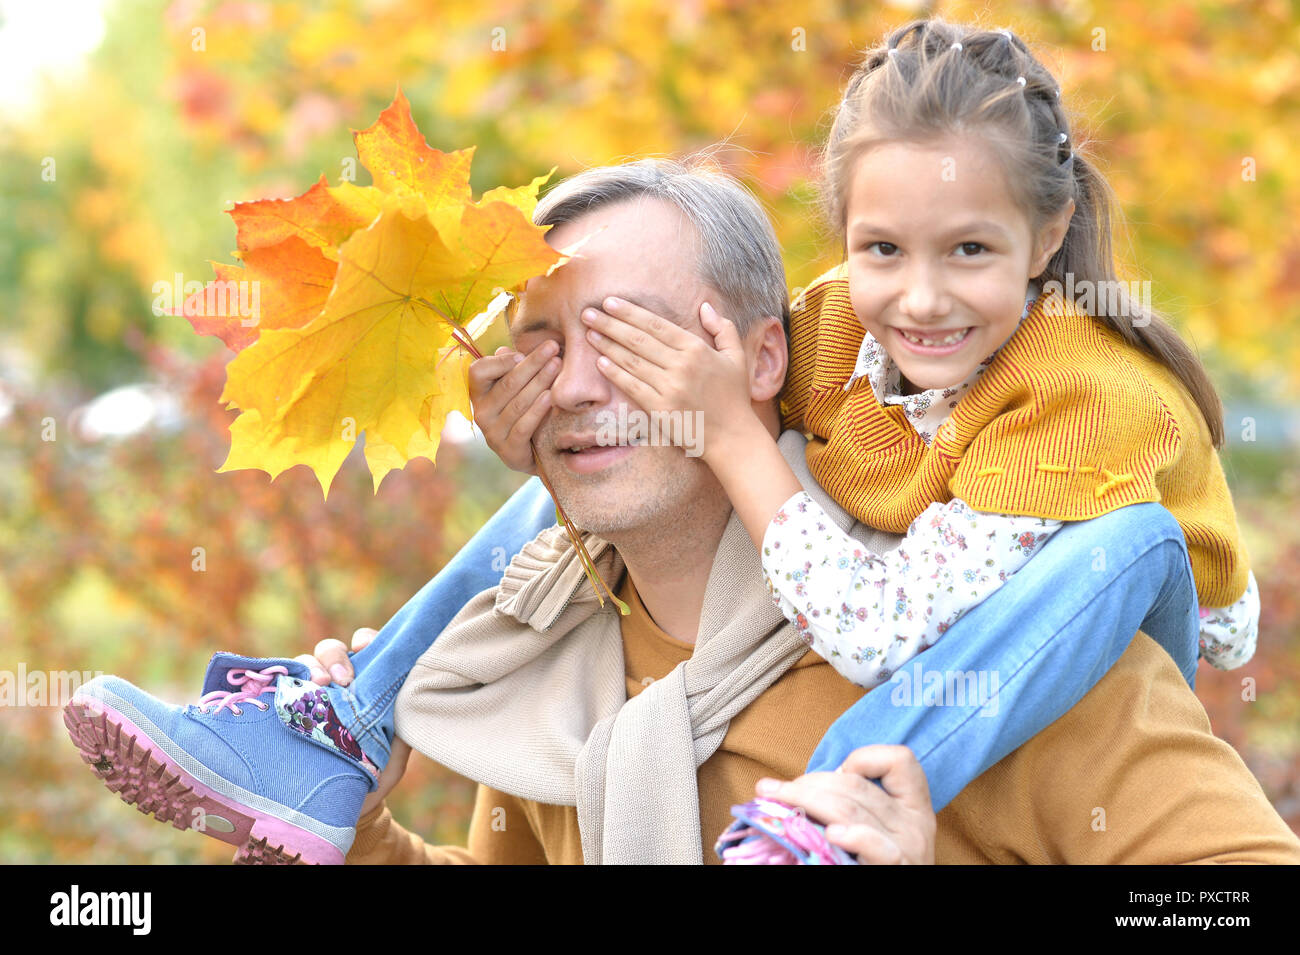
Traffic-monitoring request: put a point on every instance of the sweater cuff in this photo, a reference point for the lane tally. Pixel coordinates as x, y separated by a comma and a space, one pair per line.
371, 829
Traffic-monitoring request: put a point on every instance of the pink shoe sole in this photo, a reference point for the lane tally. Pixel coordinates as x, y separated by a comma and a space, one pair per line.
129, 763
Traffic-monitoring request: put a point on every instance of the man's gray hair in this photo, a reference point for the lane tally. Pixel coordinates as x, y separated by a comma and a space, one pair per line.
738, 252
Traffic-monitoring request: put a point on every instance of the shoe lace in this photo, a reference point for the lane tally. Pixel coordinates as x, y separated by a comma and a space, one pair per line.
752, 846
253, 682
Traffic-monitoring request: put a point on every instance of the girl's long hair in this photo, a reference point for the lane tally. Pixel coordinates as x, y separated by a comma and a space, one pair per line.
930, 79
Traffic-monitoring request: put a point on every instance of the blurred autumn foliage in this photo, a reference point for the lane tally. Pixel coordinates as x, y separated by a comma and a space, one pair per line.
1192, 109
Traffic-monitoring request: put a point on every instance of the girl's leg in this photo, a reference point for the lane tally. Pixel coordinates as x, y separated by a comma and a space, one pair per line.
267, 761
366, 705
1027, 654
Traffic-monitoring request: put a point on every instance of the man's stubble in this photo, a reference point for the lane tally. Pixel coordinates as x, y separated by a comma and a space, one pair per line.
654, 494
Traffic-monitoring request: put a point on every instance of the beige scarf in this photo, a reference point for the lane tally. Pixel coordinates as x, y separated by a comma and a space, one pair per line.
541, 711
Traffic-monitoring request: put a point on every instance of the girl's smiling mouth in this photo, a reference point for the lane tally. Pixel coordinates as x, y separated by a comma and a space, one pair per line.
932, 343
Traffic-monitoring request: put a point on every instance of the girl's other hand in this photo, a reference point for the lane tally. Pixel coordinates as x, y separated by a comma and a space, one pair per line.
663, 367
511, 395
329, 661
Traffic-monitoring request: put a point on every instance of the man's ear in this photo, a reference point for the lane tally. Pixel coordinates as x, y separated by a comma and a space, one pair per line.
1049, 239
770, 359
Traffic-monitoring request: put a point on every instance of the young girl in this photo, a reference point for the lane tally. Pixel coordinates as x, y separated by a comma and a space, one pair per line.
982, 408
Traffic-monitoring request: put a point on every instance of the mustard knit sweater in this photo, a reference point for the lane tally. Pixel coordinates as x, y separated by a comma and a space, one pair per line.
1068, 422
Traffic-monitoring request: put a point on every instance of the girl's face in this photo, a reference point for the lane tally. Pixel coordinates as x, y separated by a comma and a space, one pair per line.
939, 255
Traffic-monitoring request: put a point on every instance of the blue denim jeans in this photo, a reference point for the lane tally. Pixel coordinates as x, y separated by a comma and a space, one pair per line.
1022, 658
1046, 637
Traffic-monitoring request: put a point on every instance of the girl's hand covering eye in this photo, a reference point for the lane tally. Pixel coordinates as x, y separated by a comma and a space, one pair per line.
511, 395
662, 367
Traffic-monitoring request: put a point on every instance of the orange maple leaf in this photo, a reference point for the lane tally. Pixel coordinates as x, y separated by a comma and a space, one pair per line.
280, 286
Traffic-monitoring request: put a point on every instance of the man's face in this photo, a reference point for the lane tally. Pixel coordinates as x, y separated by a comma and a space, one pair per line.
642, 251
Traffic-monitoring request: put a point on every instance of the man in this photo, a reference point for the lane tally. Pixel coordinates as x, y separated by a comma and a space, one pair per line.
604, 739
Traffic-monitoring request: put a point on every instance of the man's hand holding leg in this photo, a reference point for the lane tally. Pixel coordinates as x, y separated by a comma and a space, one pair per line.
876, 805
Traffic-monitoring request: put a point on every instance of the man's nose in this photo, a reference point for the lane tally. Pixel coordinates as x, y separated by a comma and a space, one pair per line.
579, 386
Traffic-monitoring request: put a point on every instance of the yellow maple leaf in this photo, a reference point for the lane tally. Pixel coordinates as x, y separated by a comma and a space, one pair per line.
368, 294
523, 198
370, 361
501, 248
452, 395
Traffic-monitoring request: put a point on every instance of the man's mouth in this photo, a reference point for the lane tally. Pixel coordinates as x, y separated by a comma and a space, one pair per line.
590, 445
577, 444
584, 454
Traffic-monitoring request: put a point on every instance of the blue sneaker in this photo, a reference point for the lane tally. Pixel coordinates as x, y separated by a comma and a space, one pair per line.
282, 780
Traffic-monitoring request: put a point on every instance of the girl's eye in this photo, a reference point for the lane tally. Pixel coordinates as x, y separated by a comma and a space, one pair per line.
971, 248
882, 248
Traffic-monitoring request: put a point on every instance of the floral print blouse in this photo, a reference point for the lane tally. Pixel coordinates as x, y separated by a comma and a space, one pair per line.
867, 614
